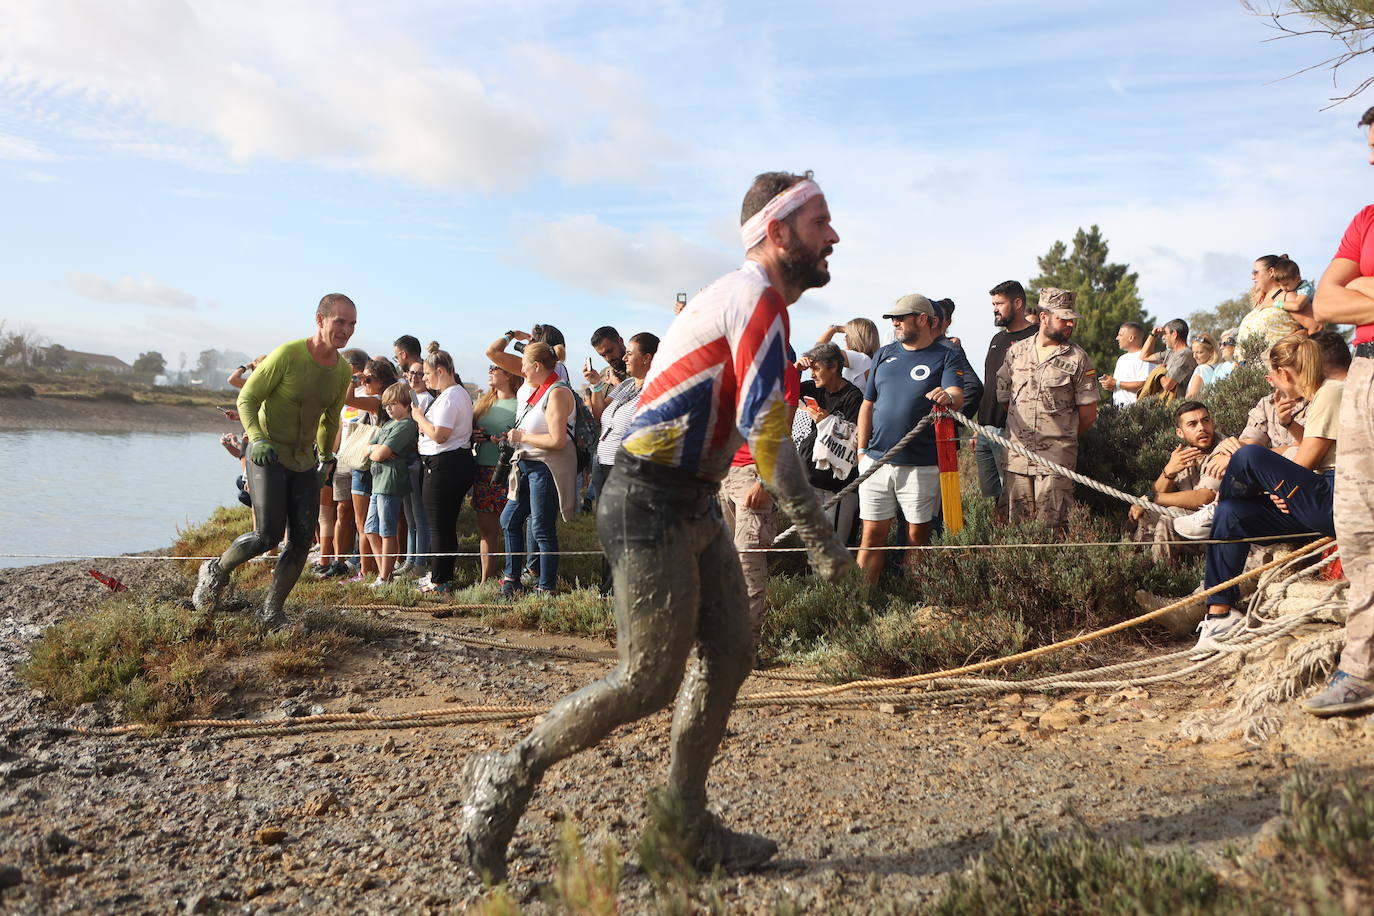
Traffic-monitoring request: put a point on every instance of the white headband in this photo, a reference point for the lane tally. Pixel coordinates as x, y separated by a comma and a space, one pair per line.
780, 207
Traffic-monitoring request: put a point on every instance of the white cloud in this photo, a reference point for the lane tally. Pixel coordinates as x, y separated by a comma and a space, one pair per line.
130, 291
646, 267
327, 85
21, 150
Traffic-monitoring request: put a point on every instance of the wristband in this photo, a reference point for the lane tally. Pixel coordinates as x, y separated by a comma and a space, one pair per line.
508, 336
863, 451
598, 387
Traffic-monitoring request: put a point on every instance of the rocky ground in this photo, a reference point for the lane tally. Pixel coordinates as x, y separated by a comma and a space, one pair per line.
871, 807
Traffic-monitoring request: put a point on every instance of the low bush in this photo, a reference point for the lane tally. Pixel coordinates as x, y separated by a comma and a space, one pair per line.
157, 661
949, 608
1032, 873
16, 390
120, 395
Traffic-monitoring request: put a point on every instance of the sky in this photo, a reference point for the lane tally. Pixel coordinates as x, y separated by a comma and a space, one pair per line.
178, 176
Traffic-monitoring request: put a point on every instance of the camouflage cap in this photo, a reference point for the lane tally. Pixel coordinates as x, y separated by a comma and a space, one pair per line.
913, 304
1058, 302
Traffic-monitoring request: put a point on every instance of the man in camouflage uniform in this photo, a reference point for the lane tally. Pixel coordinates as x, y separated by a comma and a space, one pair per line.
1345, 295
1049, 386
1184, 483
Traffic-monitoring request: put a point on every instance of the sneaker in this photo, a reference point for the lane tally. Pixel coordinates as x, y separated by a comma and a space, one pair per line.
540, 591
1214, 628
353, 580
379, 583
318, 569
732, 851
511, 588
210, 582
1198, 525
401, 570
1343, 693
333, 570
528, 578
424, 582
443, 588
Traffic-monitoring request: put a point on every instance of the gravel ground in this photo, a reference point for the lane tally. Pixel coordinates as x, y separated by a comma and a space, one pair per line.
869, 807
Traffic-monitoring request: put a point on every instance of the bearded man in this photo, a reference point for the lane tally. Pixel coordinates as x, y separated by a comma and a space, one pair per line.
1049, 385
723, 375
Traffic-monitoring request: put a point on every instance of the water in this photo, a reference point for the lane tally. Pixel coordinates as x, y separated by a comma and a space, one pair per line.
106, 493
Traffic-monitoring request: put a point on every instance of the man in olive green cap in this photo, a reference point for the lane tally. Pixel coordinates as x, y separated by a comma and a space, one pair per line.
1049, 386
290, 410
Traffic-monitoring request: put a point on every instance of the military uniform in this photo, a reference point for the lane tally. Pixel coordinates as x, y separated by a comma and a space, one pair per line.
1262, 426
1158, 530
1042, 398
1353, 509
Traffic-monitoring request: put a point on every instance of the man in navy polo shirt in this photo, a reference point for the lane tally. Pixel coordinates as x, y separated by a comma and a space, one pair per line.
908, 377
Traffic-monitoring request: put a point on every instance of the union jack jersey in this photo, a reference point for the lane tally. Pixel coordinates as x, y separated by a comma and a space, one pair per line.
722, 376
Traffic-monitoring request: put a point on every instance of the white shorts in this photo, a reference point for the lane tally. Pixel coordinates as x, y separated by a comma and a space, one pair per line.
915, 489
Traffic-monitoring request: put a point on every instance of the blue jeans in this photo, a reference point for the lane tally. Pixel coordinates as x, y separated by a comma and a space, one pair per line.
417, 526
535, 499
1245, 510
991, 457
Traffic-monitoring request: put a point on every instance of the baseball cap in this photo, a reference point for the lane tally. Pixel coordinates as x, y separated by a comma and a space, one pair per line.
1058, 302
913, 304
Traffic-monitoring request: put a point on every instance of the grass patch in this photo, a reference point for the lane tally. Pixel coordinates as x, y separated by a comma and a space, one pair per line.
1324, 863
1032, 873
157, 661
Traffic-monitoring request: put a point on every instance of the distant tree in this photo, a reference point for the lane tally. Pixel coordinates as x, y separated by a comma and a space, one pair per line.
55, 357
1107, 293
208, 361
20, 346
1351, 22
1226, 315
150, 363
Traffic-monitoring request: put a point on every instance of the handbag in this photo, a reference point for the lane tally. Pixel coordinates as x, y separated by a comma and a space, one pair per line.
353, 454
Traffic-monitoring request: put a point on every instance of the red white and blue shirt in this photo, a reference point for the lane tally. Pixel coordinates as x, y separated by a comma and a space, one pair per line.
722, 376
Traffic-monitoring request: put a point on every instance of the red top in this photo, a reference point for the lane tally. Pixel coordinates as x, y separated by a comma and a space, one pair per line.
1358, 245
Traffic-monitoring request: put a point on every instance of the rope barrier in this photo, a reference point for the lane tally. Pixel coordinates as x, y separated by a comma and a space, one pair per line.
836, 695
988, 433
1055, 545
1062, 644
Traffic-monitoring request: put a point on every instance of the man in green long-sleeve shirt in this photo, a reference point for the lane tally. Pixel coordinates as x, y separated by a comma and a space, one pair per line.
290, 410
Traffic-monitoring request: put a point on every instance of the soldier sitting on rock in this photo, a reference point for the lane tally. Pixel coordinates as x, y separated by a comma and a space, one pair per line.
1182, 484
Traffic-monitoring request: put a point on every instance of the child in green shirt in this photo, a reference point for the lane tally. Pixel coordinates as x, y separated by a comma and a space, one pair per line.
394, 448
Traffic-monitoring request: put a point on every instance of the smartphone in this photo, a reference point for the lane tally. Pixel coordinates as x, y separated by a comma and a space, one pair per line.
588, 366
224, 410
811, 402
682, 298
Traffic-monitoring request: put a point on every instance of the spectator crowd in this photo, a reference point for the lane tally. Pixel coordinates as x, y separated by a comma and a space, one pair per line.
525, 448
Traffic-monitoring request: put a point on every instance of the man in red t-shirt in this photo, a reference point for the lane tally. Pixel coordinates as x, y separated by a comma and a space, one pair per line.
1346, 296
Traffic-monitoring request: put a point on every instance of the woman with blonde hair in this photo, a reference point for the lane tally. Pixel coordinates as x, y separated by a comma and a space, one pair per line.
543, 469
493, 415
1205, 353
1264, 493
861, 341
446, 450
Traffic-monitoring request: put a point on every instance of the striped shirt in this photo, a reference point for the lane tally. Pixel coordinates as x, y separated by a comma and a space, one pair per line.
615, 419
721, 377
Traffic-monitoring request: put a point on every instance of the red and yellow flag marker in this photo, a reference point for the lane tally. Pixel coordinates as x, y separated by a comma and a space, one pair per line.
947, 457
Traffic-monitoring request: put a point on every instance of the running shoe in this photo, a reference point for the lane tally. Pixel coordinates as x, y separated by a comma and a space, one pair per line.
1214, 628
379, 583
511, 588
1343, 693
1197, 526
353, 580
319, 569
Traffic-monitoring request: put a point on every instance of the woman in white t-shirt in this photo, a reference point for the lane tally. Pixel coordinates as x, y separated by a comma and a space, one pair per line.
446, 451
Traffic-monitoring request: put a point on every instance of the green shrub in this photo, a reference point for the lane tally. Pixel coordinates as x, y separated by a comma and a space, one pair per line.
16, 390
1032, 873
158, 661
120, 395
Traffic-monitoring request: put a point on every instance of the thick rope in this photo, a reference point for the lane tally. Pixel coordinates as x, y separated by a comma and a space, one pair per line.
1062, 644
988, 432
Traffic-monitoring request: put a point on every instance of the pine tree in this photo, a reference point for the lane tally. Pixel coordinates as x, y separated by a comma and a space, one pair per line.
1107, 293
1225, 316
